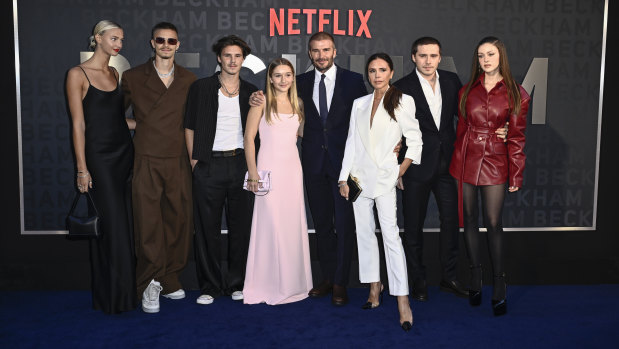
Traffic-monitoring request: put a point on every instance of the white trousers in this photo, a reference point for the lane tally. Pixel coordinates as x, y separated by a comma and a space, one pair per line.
367, 243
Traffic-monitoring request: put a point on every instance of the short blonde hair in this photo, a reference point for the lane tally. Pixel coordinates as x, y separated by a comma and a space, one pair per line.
99, 29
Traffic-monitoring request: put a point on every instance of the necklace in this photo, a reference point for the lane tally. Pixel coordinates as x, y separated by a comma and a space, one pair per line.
166, 74
226, 89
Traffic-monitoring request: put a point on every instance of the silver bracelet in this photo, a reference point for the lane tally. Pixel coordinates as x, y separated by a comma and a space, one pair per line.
339, 185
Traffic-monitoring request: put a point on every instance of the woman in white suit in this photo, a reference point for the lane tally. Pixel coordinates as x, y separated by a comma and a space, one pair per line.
377, 123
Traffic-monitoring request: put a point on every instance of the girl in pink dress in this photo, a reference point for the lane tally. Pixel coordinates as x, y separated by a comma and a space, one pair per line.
278, 263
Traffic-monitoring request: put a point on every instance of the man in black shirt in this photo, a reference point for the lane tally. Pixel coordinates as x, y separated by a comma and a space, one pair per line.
215, 117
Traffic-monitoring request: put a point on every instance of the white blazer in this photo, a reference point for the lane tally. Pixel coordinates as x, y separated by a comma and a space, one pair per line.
369, 152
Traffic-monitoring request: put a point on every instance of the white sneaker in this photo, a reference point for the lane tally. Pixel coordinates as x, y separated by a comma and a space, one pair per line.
237, 295
204, 299
150, 297
178, 294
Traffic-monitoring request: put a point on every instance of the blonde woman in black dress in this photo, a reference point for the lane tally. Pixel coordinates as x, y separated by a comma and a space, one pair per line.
104, 158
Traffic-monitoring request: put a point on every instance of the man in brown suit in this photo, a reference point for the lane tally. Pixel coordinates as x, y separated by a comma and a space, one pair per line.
162, 202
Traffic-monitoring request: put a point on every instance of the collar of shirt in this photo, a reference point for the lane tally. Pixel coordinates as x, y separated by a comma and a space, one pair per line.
433, 97
329, 75
329, 85
422, 80
482, 78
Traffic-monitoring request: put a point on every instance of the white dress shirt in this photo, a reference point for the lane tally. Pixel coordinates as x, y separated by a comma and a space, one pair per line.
434, 98
329, 84
229, 131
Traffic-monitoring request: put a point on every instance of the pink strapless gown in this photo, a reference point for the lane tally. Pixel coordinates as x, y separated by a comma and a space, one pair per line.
278, 262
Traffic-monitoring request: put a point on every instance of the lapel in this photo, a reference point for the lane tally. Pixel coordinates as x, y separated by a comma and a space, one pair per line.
154, 84
363, 113
421, 103
308, 89
446, 97
337, 95
243, 103
380, 125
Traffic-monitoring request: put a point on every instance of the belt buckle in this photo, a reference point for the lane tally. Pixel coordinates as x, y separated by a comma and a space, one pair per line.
233, 152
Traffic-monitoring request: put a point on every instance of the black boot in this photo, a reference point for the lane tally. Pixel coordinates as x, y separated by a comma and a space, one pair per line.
475, 290
499, 296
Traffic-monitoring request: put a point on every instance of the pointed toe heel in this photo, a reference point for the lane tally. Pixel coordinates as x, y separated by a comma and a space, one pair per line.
370, 305
367, 305
476, 282
499, 307
474, 298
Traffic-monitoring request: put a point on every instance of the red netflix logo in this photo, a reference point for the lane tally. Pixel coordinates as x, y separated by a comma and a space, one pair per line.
286, 21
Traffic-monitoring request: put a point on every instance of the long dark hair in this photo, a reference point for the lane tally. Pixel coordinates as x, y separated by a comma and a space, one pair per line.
513, 92
393, 95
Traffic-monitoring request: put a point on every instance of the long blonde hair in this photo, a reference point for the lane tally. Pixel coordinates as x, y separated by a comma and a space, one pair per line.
271, 103
99, 29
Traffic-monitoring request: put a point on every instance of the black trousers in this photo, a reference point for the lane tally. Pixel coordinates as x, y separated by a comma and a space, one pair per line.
218, 185
415, 199
334, 222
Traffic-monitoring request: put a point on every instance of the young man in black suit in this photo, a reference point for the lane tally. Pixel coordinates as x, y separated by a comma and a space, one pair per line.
436, 97
435, 92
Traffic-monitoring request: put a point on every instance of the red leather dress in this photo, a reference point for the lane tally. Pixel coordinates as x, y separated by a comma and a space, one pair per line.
480, 157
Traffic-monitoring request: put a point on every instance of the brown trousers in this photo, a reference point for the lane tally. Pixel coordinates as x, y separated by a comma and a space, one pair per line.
163, 220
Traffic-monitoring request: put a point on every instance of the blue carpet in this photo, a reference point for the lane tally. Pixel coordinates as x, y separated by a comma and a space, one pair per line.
538, 317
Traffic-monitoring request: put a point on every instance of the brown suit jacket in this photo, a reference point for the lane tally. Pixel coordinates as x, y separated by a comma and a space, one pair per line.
158, 111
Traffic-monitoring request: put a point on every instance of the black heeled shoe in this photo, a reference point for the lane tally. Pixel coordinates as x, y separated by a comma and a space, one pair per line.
499, 307
370, 305
475, 295
407, 325
474, 298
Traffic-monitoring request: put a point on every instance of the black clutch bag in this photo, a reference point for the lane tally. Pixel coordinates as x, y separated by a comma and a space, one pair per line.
84, 227
354, 189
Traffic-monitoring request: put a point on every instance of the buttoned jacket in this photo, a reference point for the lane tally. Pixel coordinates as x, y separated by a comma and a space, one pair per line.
480, 157
158, 111
369, 152
327, 140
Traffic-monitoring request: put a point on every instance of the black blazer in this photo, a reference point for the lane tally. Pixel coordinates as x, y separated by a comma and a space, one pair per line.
434, 140
201, 113
329, 140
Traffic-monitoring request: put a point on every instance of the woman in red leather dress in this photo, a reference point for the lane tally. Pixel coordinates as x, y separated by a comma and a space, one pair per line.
483, 163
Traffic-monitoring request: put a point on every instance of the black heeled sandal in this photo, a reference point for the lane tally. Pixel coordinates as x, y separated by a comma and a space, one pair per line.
499, 307
476, 280
370, 305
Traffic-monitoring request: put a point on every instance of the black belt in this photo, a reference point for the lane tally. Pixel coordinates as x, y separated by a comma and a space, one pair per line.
227, 153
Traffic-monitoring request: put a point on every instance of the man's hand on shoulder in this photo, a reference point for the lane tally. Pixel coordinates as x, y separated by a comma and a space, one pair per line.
257, 99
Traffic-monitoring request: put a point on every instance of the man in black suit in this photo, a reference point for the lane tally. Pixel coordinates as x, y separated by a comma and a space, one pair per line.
324, 139
436, 97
